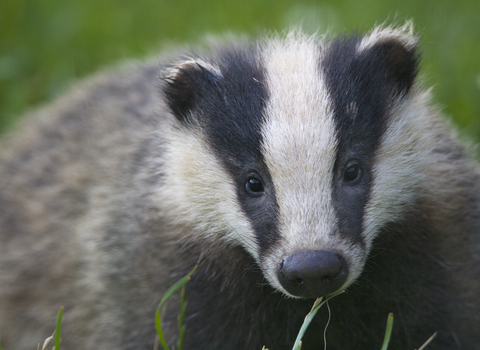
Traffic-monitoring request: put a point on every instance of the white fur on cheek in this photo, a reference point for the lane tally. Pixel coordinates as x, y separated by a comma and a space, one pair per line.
396, 178
200, 193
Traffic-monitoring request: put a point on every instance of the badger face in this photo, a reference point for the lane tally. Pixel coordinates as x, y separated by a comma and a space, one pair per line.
279, 148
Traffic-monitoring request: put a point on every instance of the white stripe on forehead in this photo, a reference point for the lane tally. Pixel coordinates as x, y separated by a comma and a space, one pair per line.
298, 140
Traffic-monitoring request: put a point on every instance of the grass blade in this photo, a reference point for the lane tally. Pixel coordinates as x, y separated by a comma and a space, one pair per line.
58, 329
181, 319
158, 314
388, 331
316, 306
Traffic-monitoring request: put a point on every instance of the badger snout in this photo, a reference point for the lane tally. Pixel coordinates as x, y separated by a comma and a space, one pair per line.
312, 273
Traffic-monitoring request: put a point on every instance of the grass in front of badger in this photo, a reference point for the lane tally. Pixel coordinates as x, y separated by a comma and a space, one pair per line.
180, 286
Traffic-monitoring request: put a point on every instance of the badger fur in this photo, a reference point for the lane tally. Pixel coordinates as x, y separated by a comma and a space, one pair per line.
287, 169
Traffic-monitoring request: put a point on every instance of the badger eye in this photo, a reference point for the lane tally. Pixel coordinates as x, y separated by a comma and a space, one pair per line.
254, 186
352, 173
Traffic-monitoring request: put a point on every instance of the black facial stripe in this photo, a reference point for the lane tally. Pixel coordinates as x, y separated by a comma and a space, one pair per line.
233, 115
360, 96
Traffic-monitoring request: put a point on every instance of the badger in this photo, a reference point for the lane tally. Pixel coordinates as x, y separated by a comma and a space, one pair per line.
287, 169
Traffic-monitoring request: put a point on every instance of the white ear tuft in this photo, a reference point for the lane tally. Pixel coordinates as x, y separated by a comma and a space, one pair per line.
192, 64
403, 34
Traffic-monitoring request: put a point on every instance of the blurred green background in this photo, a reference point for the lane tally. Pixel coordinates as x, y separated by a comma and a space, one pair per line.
45, 45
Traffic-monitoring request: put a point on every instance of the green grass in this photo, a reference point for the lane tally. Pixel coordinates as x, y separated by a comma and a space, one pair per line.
58, 329
306, 323
388, 332
180, 285
46, 45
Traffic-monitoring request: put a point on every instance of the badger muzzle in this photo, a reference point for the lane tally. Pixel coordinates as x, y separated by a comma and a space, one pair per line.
312, 273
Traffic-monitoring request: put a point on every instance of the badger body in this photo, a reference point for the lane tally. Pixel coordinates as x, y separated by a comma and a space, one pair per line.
287, 169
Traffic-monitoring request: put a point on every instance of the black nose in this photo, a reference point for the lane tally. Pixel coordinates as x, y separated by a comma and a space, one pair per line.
312, 273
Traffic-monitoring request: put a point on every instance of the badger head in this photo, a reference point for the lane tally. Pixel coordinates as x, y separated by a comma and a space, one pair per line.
300, 149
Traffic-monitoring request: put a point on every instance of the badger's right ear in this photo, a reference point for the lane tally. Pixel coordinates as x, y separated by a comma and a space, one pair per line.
186, 84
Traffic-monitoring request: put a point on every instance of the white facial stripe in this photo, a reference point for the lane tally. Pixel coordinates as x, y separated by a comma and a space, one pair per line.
299, 149
189, 195
299, 145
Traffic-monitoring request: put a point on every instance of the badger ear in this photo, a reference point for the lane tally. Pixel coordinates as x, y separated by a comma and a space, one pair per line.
186, 84
399, 62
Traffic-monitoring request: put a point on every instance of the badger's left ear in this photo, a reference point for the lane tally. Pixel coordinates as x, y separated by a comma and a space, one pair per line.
398, 61
186, 84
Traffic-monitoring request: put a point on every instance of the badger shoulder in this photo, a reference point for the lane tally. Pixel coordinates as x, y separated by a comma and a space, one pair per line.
64, 169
